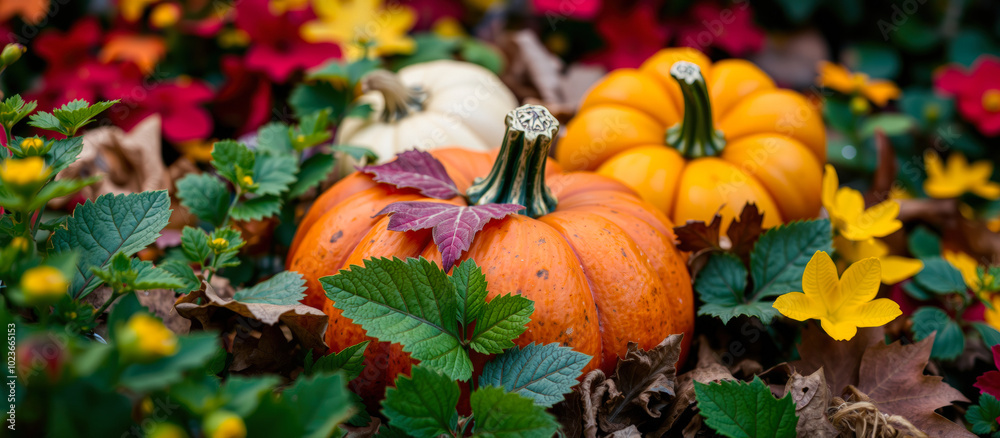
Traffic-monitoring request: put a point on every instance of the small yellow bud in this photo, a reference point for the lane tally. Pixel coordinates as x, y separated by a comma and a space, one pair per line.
224, 424
11, 53
165, 15
859, 105
218, 244
25, 171
301, 138
32, 143
932, 111
145, 339
233, 38
247, 181
43, 285
21, 243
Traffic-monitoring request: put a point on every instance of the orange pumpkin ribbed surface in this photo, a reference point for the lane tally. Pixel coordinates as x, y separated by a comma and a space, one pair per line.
695, 138
599, 263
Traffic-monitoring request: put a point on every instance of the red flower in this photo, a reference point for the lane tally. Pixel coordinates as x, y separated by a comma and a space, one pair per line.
629, 36
179, 102
977, 92
731, 29
430, 11
276, 47
576, 9
244, 101
989, 382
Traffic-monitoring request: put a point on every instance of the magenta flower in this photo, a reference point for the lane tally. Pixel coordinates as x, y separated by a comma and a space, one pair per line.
630, 36
575, 9
244, 101
275, 45
179, 102
976, 91
731, 29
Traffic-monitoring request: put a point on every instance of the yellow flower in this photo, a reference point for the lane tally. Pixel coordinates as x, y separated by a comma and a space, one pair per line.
448, 27
837, 77
966, 265
165, 15
25, 171
840, 304
43, 285
279, 7
247, 181
354, 23
894, 268
219, 244
145, 339
21, 243
848, 215
166, 430
958, 177
224, 424
32, 145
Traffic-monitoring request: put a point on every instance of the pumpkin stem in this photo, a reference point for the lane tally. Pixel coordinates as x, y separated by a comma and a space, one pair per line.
518, 174
695, 136
400, 100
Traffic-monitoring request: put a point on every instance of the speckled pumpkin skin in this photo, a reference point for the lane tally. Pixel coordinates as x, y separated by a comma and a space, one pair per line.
602, 268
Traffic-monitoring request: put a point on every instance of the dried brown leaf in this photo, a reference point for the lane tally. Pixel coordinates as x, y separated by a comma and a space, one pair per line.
696, 235
707, 370
839, 360
744, 231
812, 397
893, 377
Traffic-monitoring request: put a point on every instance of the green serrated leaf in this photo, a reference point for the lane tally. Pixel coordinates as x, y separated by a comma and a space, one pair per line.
14, 109
63, 153
423, 405
98, 229
503, 319
181, 270
322, 402
194, 243
150, 277
350, 361
763, 310
780, 256
745, 410
313, 129
59, 188
543, 373
255, 209
723, 282
983, 416
204, 196
940, 277
949, 341
470, 285
506, 415
241, 395
273, 138
274, 173
284, 289
989, 334
70, 117
311, 97
227, 258
409, 302
230, 155
313, 171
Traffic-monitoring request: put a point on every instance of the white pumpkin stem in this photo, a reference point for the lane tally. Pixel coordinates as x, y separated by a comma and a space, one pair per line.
400, 100
518, 174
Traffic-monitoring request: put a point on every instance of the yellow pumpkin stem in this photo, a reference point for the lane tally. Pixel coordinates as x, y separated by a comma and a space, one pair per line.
695, 136
400, 100
518, 174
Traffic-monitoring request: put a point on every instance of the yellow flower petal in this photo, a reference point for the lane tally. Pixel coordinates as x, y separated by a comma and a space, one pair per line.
798, 306
819, 280
874, 314
860, 283
965, 264
880, 92
839, 331
958, 177
896, 269
830, 184
878, 221
835, 76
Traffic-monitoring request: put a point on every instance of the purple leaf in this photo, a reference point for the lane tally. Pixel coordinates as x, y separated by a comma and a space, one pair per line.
418, 170
453, 226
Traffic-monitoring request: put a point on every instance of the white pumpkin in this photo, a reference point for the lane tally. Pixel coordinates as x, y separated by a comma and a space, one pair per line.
430, 105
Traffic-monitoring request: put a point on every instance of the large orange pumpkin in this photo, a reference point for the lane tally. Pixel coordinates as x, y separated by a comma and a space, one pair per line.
654, 128
599, 263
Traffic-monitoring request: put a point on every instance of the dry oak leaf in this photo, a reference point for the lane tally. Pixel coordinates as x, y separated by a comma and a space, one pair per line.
307, 324
893, 377
707, 370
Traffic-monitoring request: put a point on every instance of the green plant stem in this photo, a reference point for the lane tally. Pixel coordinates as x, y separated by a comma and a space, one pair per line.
232, 205
695, 136
114, 296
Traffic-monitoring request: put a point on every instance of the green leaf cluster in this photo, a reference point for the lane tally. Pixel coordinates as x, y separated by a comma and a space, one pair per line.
70, 117
746, 410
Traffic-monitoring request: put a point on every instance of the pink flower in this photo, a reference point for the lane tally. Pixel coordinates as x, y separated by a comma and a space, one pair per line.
575, 9
244, 101
989, 382
179, 102
276, 47
629, 36
430, 11
731, 29
977, 92
72, 71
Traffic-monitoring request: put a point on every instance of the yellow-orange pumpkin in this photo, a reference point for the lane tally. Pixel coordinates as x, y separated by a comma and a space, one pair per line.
654, 128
